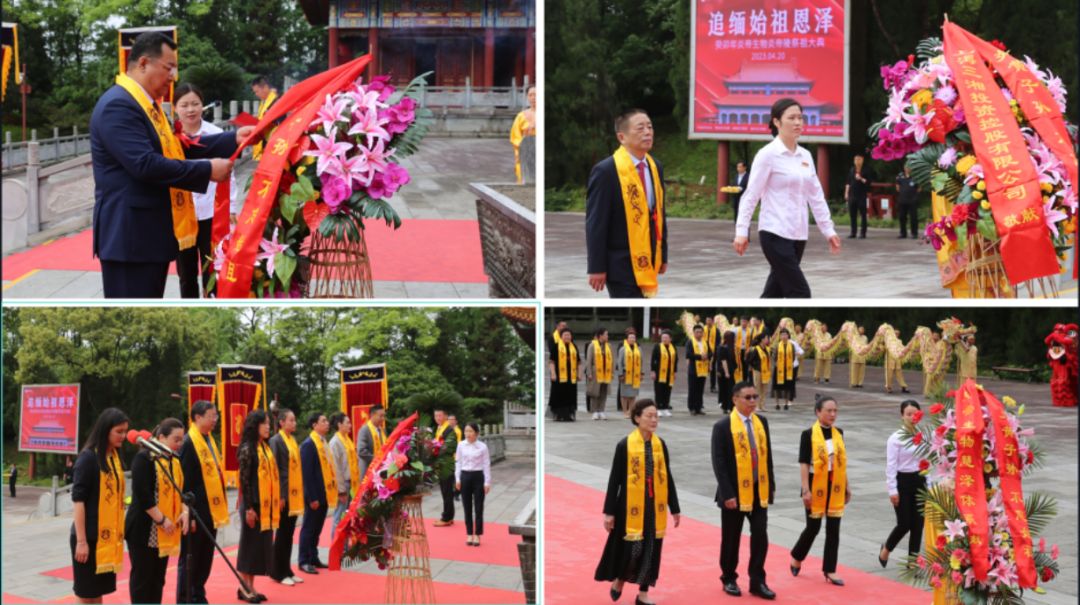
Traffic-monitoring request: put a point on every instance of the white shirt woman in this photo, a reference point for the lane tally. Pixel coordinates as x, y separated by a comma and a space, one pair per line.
472, 473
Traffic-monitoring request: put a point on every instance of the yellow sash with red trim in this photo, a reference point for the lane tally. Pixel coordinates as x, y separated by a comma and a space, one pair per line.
638, 219
636, 486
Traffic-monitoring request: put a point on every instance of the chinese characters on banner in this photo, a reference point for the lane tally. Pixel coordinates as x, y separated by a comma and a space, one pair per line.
361, 388
49, 421
747, 54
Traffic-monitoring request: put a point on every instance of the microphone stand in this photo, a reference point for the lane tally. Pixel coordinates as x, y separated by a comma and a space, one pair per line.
189, 499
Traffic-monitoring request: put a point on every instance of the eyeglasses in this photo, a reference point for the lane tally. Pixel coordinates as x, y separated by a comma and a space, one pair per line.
172, 68
750, 397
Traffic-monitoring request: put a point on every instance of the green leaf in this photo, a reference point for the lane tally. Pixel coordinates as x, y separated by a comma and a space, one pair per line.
289, 206
986, 227
418, 465
1041, 509
284, 266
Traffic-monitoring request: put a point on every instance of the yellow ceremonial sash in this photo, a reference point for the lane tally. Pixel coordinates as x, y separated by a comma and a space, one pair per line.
212, 478
555, 336
296, 476
740, 348
110, 540
745, 464
185, 223
602, 361
170, 505
667, 364
763, 361
442, 429
329, 478
377, 438
564, 353
354, 462
710, 336
701, 367
256, 150
636, 486
785, 362
821, 473
632, 365
638, 217
755, 332
269, 490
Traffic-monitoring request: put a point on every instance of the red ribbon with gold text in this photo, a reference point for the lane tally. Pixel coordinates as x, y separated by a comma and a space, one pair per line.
1012, 184
234, 280
971, 489
337, 548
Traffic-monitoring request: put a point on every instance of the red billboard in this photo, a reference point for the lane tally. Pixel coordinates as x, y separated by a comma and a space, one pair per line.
49, 419
747, 54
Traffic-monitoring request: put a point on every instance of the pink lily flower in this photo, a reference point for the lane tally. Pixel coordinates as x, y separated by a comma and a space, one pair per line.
918, 125
368, 123
268, 249
332, 111
327, 152
377, 157
1053, 216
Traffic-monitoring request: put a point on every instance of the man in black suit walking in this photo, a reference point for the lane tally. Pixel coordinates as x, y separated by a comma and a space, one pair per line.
742, 179
625, 222
738, 453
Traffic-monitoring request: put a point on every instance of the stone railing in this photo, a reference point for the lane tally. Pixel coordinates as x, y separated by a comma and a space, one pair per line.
524, 525
49, 150
44, 200
507, 217
517, 416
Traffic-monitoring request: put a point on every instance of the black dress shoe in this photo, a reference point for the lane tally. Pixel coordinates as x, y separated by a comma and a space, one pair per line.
762, 590
320, 565
308, 569
795, 570
883, 562
732, 589
834, 581
261, 597
247, 599
615, 594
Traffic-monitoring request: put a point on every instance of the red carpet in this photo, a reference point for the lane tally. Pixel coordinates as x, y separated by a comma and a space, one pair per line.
420, 251
574, 539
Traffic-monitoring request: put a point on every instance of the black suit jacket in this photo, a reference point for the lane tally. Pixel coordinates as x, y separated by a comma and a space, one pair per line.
741, 181
132, 209
193, 479
281, 458
606, 238
723, 461
314, 488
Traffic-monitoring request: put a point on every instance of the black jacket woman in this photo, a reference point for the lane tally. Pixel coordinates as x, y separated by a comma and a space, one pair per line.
640, 492
260, 503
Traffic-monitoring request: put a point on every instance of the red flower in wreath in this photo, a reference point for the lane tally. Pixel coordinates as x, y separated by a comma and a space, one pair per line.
917, 439
917, 417
924, 465
936, 408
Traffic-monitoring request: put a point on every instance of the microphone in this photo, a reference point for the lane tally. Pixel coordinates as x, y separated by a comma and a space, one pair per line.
143, 440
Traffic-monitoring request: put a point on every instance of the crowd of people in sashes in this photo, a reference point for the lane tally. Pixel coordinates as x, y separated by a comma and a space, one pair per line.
720, 359
641, 493
281, 482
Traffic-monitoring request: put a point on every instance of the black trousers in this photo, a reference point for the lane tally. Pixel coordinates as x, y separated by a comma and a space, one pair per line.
310, 530
446, 486
283, 547
147, 573
909, 215
191, 263
663, 395
909, 517
731, 522
202, 559
133, 280
624, 290
857, 210
695, 398
472, 498
810, 532
786, 279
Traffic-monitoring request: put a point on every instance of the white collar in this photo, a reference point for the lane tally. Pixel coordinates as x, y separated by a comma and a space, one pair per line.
783, 149
744, 418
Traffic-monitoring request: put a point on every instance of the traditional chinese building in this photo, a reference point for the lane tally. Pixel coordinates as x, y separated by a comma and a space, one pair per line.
491, 42
757, 85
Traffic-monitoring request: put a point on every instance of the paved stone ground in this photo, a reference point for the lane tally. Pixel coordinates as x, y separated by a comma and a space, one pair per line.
581, 452
703, 263
513, 486
441, 173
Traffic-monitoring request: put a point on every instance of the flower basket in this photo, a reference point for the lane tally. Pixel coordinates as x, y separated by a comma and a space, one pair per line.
409, 576
340, 268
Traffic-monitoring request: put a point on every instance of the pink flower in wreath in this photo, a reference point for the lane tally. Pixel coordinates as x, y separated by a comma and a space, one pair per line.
401, 460
369, 124
328, 152
396, 176
377, 188
381, 85
384, 492
332, 111
335, 191
1053, 215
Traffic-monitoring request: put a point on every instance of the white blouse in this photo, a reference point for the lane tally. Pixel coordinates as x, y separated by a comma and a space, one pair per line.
899, 458
204, 202
473, 457
786, 183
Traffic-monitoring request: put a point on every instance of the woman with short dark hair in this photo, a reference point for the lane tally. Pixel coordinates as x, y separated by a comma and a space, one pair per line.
472, 475
903, 482
260, 503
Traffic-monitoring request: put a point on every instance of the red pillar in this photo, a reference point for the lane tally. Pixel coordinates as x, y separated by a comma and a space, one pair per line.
823, 168
721, 170
489, 57
530, 55
373, 48
333, 52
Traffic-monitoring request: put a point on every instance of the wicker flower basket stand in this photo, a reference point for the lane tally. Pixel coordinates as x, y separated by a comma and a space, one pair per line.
339, 269
408, 578
986, 274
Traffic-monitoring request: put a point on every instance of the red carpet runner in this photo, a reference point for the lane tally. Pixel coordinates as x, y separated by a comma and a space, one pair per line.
421, 250
574, 539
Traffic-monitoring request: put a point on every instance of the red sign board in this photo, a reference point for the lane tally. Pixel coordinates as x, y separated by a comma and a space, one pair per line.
49, 419
748, 54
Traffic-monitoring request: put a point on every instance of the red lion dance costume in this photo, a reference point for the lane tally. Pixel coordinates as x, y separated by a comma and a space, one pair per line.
1062, 343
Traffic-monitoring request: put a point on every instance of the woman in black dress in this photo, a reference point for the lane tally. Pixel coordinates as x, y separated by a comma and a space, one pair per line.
563, 366
97, 553
725, 371
260, 509
634, 555
157, 517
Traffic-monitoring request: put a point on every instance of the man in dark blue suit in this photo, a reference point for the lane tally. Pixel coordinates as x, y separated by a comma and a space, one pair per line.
315, 503
133, 220
606, 233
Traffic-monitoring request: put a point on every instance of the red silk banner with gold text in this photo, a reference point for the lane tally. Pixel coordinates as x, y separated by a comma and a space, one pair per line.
337, 548
1007, 455
361, 388
234, 280
970, 488
241, 389
1012, 184
201, 387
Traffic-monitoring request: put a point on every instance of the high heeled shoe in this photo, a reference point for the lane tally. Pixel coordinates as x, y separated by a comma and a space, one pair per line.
638, 601
615, 594
794, 570
883, 562
834, 581
247, 599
